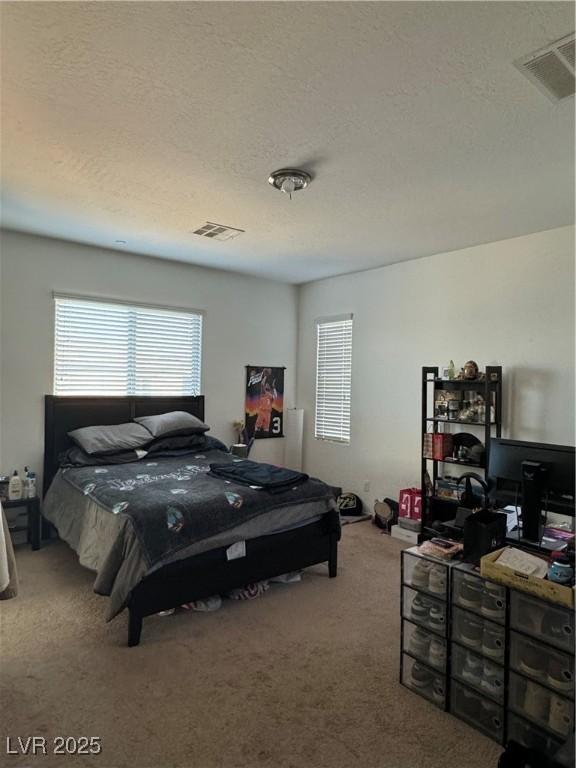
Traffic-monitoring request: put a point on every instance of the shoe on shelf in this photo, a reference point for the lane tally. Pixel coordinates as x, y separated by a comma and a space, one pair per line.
421, 574
492, 680
470, 592
490, 716
437, 654
493, 641
471, 632
438, 582
532, 661
438, 690
421, 677
438, 617
560, 717
420, 609
537, 702
419, 643
493, 601
472, 670
557, 627
560, 674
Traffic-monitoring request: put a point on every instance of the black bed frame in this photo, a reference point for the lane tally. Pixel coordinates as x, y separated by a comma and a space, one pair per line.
202, 575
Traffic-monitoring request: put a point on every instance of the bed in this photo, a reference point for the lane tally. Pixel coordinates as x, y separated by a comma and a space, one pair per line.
133, 565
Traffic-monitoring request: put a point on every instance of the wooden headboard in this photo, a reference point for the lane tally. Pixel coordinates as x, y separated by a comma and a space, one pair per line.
63, 414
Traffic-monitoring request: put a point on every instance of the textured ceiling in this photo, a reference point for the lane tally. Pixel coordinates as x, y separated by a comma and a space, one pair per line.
140, 121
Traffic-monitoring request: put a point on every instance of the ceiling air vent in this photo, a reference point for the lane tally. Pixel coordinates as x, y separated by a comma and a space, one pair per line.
218, 231
551, 69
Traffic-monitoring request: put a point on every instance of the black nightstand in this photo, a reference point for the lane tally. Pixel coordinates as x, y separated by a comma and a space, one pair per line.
34, 521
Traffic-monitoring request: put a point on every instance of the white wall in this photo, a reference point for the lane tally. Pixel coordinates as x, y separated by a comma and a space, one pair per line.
247, 321
509, 303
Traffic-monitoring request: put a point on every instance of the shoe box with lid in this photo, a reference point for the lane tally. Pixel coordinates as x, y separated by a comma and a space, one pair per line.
425, 590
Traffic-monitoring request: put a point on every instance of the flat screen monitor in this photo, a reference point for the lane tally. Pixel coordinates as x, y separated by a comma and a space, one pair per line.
538, 477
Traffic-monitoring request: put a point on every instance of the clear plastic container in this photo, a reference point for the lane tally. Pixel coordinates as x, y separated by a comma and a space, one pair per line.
424, 610
425, 574
548, 710
531, 737
545, 621
479, 635
477, 711
478, 673
425, 646
542, 663
472, 592
424, 681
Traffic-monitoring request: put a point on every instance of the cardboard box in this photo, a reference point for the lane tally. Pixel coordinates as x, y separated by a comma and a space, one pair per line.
401, 533
546, 590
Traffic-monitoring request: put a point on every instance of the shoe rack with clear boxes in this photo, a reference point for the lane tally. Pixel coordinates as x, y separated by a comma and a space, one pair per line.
478, 651
541, 685
498, 659
425, 626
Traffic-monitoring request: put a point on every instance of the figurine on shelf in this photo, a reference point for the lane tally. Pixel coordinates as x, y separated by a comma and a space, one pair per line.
451, 370
470, 372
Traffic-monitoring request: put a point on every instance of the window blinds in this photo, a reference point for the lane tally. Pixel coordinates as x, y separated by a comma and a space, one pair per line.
118, 349
333, 378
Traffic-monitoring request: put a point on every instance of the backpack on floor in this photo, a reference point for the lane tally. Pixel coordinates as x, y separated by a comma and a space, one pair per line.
349, 505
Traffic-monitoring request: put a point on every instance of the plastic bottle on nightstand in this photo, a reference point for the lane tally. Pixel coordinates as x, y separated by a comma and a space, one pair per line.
30, 485
25, 483
15, 487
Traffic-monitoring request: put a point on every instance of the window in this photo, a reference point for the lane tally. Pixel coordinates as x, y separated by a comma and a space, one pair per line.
116, 349
333, 378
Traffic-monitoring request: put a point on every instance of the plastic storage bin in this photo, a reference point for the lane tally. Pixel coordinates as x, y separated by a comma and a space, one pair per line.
425, 646
423, 680
477, 711
542, 663
424, 610
479, 673
425, 574
472, 592
531, 737
543, 707
545, 621
480, 635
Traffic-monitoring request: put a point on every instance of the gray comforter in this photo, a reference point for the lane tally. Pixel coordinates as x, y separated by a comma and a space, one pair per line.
125, 521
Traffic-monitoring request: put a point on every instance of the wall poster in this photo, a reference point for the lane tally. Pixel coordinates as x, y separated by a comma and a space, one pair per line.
264, 409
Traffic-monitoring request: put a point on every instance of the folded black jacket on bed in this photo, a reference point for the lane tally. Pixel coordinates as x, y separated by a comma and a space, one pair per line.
254, 473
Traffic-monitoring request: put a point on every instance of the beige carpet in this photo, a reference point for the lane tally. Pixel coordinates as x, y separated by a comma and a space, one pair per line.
305, 677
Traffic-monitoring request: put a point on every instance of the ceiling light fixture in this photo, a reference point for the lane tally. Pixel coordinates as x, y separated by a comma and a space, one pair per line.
289, 180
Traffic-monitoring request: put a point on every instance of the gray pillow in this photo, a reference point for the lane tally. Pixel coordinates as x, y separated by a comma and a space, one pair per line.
173, 423
110, 438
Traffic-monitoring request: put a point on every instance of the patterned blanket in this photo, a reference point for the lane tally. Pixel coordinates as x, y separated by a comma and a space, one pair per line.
174, 501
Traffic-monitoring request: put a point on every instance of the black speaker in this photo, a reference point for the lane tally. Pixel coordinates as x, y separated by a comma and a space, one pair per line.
484, 531
533, 474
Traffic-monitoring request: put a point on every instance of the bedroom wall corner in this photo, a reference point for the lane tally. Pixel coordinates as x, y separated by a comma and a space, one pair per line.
508, 303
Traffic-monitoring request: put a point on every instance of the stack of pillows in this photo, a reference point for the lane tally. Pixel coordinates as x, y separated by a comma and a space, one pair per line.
167, 434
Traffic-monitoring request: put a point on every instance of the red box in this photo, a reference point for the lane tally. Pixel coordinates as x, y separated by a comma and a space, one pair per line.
410, 502
442, 445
